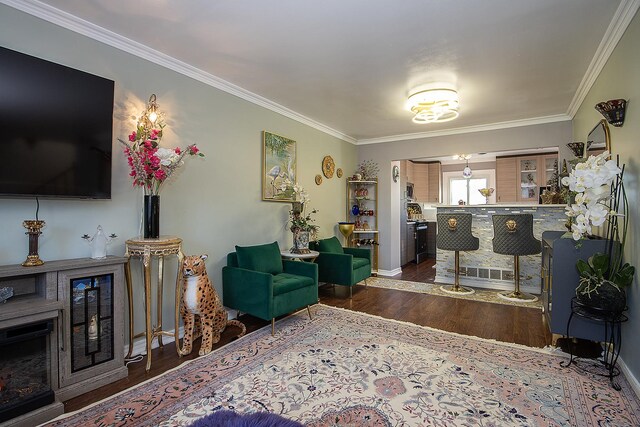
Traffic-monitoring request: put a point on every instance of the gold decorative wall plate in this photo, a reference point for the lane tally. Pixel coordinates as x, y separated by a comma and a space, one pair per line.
318, 179
328, 166
339, 173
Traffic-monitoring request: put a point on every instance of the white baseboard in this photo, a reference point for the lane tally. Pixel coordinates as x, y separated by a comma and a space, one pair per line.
389, 272
140, 344
633, 381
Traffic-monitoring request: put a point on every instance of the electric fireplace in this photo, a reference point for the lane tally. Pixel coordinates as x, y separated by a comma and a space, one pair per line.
25, 369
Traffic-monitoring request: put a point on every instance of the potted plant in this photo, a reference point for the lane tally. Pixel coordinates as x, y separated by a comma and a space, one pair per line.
598, 196
600, 287
301, 225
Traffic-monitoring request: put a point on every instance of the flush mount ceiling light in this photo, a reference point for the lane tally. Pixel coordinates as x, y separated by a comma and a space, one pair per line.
434, 105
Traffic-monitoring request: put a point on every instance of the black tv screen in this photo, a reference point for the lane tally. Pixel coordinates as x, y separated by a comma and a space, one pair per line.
55, 129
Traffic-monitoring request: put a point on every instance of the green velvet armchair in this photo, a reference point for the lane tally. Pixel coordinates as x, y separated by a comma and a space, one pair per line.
257, 281
341, 266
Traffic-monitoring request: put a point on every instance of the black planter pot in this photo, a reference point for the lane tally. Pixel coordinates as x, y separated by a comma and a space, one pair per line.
607, 299
151, 226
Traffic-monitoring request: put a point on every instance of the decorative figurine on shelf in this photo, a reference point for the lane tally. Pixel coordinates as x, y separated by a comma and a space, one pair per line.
93, 328
368, 170
99, 243
486, 192
200, 299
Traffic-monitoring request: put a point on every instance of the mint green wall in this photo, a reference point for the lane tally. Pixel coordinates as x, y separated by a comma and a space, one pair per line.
620, 78
212, 203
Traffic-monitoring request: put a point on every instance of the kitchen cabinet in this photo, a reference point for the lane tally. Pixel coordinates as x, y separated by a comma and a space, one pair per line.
434, 188
535, 174
410, 243
420, 182
506, 182
426, 180
522, 178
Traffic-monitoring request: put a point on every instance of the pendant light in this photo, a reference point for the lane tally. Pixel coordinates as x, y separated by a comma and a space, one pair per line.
466, 172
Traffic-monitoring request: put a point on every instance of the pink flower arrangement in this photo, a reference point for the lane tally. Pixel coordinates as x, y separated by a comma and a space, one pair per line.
151, 165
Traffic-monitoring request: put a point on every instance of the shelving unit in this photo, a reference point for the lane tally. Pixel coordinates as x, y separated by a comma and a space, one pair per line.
363, 195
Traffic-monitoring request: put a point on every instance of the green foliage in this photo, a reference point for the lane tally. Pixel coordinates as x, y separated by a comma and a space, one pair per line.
277, 144
595, 272
303, 222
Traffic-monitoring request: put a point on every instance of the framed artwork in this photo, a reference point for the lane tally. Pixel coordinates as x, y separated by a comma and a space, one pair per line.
279, 154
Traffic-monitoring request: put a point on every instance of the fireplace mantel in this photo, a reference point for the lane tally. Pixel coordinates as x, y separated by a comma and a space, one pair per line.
71, 293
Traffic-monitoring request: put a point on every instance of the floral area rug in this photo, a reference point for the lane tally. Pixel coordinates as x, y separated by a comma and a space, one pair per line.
345, 368
485, 295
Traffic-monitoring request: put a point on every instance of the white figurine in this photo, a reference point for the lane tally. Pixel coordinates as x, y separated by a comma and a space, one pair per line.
93, 328
99, 243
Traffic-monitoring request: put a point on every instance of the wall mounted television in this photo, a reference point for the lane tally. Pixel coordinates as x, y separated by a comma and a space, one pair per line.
56, 128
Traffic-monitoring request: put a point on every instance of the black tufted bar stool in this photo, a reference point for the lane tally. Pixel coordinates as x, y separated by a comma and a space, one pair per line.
454, 234
513, 235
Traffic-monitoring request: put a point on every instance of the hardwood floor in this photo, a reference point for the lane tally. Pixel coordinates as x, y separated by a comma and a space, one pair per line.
506, 323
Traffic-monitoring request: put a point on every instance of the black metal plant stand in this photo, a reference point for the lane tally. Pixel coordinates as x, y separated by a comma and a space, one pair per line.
612, 321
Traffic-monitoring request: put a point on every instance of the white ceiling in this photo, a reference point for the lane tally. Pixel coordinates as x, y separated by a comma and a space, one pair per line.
349, 64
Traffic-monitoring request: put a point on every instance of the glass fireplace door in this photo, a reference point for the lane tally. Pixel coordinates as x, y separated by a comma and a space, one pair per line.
91, 321
91, 331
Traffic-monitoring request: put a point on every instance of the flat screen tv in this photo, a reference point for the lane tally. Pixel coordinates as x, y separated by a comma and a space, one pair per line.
55, 129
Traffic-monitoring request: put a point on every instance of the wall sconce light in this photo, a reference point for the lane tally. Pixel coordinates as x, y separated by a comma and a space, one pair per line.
151, 115
433, 105
613, 110
466, 172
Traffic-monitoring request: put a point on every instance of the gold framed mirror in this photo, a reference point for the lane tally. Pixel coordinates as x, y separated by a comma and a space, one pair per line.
598, 140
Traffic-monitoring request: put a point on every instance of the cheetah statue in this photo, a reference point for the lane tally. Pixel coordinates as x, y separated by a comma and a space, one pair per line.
200, 301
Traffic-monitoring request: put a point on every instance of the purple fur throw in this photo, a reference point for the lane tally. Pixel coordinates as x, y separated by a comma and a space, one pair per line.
225, 418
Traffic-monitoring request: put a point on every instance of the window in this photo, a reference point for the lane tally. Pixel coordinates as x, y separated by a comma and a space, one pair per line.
467, 190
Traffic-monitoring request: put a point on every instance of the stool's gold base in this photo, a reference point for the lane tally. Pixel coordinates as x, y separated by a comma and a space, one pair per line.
457, 289
517, 296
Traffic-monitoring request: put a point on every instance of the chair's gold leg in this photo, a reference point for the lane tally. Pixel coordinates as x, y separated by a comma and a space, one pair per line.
309, 311
273, 326
238, 315
350, 292
365, 283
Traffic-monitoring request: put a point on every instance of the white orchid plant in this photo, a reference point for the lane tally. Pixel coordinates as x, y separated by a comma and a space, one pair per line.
590, 185
293, 191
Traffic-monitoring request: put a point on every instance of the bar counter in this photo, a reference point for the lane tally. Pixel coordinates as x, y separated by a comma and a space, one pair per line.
484, 268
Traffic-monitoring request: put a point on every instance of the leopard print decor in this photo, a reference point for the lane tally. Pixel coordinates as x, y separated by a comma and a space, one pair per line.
200, 301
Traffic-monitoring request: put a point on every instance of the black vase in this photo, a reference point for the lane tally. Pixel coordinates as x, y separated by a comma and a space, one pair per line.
151, 226
608, 299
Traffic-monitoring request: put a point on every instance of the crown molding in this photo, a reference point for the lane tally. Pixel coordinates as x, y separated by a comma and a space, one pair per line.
623, 16
621, 19
93, 31
467, 129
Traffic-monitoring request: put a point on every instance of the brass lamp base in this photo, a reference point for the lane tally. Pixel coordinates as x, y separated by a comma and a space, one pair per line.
34, 230
32, 261
346, 228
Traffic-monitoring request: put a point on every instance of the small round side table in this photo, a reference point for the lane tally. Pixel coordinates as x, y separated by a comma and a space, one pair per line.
311, 256
145, 250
